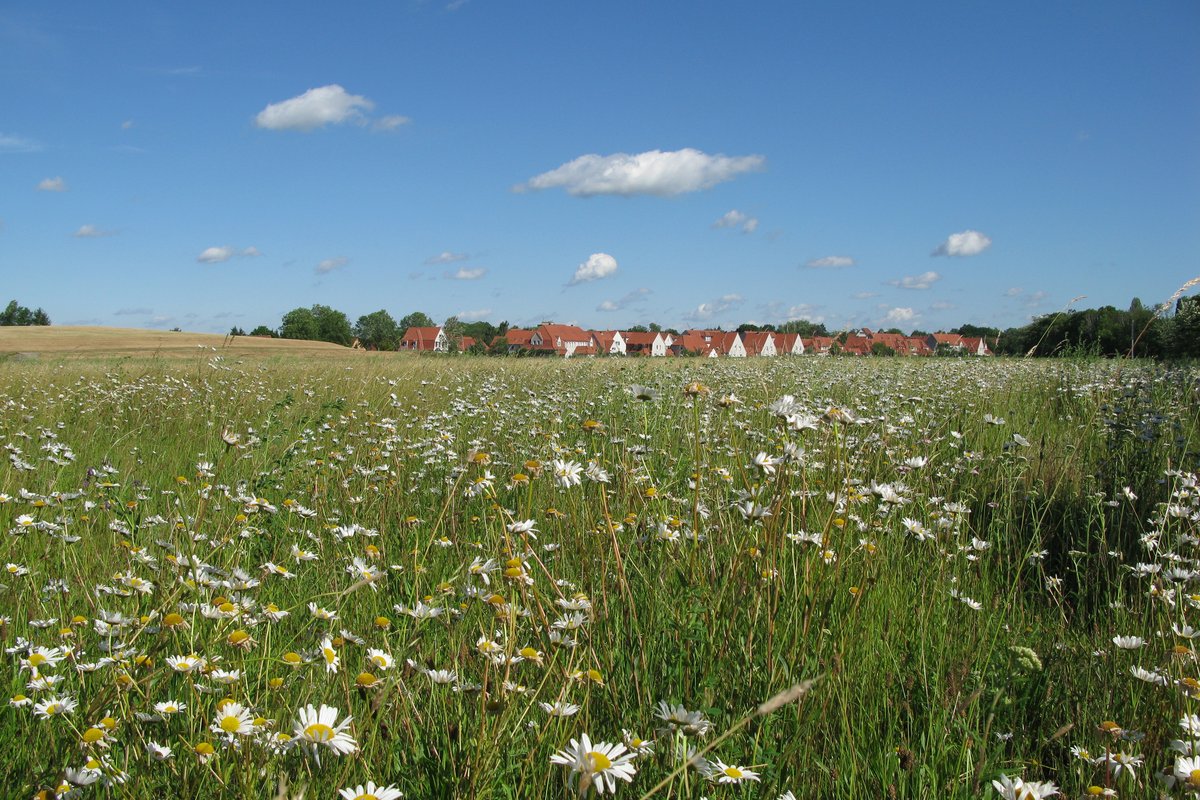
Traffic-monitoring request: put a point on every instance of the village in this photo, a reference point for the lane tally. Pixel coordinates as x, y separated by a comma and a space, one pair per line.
568, 341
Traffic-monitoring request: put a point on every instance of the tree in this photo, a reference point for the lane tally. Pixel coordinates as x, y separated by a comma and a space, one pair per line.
417, 319
453, 328
1186, 328
300, 323
333, 325
236, 331
803, 327
263, 330
378, 331
16, 314
881, 349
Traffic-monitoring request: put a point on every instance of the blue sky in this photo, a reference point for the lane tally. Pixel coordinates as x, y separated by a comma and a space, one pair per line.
694, 164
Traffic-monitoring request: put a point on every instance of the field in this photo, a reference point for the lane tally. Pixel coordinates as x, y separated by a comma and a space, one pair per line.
30, 343
875, 578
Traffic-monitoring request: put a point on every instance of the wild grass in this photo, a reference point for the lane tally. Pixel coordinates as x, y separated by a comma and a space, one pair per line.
944, 548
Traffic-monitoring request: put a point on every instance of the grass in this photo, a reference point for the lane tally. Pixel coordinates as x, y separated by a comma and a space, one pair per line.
944, 548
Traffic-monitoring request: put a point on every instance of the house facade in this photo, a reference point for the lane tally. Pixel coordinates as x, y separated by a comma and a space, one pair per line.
425, 340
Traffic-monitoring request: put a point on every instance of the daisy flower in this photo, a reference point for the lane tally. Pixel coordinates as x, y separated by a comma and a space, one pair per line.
55, 706
1021, 789
233, 719
317, 727
599, 764
329, 655
728, 773
371, 792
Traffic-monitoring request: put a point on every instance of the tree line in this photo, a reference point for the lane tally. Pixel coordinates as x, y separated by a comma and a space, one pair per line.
378, 330
1139, 330
16, 314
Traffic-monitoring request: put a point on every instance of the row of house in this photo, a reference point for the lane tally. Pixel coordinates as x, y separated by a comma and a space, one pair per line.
570, 340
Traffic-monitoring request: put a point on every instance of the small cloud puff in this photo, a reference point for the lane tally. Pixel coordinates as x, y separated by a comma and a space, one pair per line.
598, 265
967, 243
622, 302
465, 274
330, 264
922, 281
52, 185
654, 172
900, 315
325, 105
830, 262
445, 257
91, 232
217, 255
736, 219
706, 311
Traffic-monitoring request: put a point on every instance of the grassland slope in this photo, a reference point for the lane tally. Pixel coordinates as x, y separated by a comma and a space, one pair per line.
60, 340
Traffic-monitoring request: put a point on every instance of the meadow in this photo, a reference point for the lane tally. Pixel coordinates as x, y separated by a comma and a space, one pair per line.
253, 576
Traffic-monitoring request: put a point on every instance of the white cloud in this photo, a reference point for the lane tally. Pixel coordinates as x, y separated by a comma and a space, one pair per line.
215, 255
806, 311
922, 281
446, 257
598, 265
830, 262
736, 219
330, 264
900, 315
127, 124
967, 243
465, 274
474, 315
622, 302
864, 295
654, 172
92, 232
18, 144
706, 311
52, 185
390, 123
1014, 291
325, 105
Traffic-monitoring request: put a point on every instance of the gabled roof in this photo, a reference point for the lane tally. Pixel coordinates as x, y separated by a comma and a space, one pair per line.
518, 337
640, 338
419, 338
568, 333
755, 341
692, 343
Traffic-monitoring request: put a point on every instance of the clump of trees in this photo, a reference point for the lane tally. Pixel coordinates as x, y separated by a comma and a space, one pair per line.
1107, 331
16, 314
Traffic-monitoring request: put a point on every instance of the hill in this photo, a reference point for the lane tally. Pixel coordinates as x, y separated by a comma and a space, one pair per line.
95, 340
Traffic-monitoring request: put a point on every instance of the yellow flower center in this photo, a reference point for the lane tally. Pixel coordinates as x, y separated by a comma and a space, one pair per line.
205, 749
600, 762
231, 724
732, 772
317, 732
92, 735
366, 796
1194, 777
109, 723
365, 679
53, 708
36, 660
